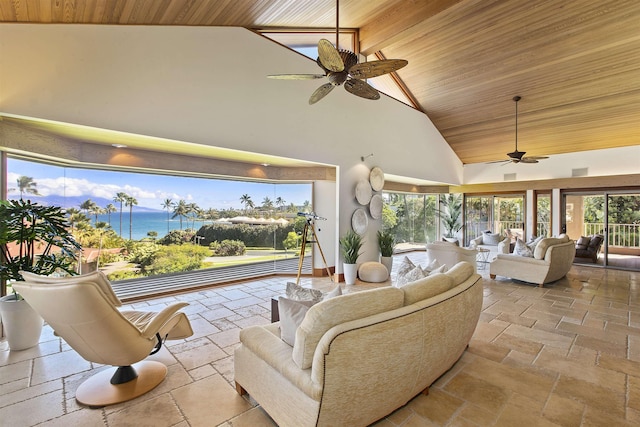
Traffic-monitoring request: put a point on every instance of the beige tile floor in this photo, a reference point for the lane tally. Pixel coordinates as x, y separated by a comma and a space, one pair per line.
566, 355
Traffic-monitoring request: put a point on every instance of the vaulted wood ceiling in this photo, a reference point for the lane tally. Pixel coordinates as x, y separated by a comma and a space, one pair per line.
575, 63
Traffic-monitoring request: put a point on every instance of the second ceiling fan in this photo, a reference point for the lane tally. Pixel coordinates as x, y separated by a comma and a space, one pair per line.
519, 156
341, 66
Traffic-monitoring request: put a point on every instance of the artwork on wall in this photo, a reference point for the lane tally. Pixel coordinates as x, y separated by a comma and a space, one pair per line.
365, 196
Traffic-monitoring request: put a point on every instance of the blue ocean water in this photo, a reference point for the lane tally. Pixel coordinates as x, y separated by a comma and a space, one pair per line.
143, 222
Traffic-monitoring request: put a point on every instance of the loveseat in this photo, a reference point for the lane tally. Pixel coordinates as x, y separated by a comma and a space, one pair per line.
589, 247
551, 260
449, 254
494, 243
359, 356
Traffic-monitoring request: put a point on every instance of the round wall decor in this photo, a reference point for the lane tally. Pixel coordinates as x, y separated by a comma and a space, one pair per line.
359, 221
363, 192
376, 178
375, 207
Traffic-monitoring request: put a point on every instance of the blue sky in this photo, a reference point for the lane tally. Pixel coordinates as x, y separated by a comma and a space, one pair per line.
151, 190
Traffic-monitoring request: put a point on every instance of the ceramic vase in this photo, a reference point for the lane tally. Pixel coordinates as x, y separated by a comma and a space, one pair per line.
21, 324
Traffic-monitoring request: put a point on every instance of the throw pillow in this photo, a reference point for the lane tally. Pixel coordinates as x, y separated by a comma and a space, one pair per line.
405, 267
337, 291
441, 269
432, 266
292, 314
411, 276
298, 293
533, 243
583, 242
491, 238
522, 249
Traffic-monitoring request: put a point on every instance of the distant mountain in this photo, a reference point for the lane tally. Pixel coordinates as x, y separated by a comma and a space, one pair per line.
75, 201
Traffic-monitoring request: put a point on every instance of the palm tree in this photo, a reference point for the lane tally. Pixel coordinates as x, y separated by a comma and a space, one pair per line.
267, 204
109, 209
88, 206
120, 198
26, 184
130, 202
247, 202
280, 202
167, 204
75, 217
96, 210
180, 210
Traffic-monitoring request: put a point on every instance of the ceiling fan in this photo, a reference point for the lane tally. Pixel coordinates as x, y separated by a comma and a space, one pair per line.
519, 156
341, 66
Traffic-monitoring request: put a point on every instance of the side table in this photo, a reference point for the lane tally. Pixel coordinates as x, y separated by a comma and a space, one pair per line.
482, 258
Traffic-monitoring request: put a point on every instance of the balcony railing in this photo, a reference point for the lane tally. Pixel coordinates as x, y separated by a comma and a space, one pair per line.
622, 235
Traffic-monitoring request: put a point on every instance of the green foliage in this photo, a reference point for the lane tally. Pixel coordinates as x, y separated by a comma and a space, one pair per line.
109, 257
389, 217
143, 254
177, 258
451, 213
386, 242
228, 248
177, 237
35, 238
410, 218
291, 242
251, 235
123, 274
350, 245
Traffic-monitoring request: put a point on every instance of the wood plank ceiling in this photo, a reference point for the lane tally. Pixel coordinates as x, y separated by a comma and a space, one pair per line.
575, 63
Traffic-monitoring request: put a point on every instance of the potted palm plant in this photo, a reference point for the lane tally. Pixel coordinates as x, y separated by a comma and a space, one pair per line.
451, 216
386, 244
33, 238
350, 245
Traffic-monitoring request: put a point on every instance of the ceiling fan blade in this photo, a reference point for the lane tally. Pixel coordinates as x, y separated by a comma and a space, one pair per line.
528, 160
320, 93
498, 161
329, 56
361, 89
367, 70
537, 157
296, 76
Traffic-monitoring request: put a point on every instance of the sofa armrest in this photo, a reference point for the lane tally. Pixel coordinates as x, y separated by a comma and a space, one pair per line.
475, 242
504, 247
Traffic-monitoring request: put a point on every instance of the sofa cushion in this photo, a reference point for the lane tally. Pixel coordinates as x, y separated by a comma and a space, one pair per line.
373, 272
292, 314
491, 238
595, 241
298, 293
433, 265
583, 242
522, 249
327, 314
460, 272
541, 248
441, 269
426, 287
337, 291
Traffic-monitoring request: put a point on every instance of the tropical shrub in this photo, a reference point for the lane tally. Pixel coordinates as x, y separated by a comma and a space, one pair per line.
291, 242
228, 248
177, 258
251, 235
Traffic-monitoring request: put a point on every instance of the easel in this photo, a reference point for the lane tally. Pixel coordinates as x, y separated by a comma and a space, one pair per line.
309, 226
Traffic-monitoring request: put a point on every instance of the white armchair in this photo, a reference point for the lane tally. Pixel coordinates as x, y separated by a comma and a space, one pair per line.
450, 254
495, 243
83, 311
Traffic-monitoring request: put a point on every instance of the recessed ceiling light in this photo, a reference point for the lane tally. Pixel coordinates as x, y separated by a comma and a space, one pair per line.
119, 145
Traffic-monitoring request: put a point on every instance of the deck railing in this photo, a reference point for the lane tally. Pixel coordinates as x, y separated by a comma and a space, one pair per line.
623, 235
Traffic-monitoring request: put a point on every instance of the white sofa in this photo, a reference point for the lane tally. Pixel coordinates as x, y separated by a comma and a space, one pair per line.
359, 356
552, 259
494, 243
450, 254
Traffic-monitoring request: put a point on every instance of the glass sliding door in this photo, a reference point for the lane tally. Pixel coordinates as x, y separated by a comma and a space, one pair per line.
495, 213
542, 225
410, 217
615, 216
478, 216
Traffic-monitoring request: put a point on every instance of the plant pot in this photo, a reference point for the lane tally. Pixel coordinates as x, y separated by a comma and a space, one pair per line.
387, 261
22, 325
350, 273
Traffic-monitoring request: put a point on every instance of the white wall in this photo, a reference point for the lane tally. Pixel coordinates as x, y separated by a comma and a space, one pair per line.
208, 85
614, 161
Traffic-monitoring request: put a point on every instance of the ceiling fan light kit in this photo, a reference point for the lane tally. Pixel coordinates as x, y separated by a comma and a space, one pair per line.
341, 67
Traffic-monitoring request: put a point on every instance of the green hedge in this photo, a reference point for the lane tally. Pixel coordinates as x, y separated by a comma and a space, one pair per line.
251, 235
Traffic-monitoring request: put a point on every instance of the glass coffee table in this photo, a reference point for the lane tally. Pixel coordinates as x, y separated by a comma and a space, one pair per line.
482, 258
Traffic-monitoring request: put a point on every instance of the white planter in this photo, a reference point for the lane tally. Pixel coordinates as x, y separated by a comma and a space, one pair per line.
387, 261
21, 324
350, 273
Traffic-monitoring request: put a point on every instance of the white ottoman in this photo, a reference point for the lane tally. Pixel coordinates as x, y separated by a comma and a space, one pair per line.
373, 271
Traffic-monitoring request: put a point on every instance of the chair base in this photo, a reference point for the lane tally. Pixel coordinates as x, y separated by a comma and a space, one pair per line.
98, 391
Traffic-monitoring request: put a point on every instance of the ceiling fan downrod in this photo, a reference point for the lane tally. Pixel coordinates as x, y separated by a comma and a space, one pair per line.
516, 99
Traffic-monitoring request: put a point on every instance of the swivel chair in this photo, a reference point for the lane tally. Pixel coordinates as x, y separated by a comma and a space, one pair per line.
83, 311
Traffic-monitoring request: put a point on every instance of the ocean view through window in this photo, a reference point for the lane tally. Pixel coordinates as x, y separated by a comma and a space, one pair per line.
135, 225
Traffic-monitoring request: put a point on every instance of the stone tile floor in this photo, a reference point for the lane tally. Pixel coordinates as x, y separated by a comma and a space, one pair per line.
566, 355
